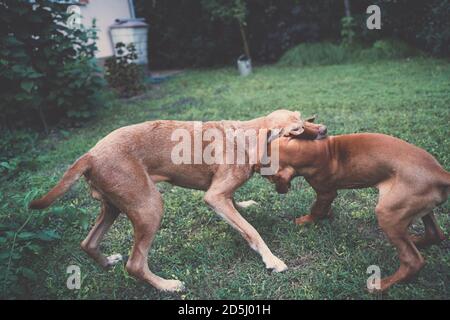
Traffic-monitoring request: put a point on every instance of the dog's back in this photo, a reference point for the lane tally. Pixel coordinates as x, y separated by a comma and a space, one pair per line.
370, 158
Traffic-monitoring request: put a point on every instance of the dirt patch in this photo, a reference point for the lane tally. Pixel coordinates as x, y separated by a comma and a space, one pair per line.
301, 261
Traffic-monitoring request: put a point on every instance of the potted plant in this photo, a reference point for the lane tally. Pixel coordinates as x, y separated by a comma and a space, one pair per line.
236, 10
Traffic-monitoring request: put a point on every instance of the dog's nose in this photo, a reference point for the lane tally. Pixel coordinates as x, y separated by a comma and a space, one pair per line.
323, 130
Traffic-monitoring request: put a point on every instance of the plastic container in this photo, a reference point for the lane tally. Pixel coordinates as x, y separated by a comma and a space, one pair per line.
131, 30
244, 65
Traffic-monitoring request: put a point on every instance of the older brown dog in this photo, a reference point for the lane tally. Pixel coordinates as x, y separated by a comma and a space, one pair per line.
410, 182
122, 170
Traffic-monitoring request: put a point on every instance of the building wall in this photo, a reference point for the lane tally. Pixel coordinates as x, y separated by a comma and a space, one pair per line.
105, 12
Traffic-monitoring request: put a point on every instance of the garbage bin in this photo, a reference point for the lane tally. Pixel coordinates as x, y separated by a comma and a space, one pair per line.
131, 31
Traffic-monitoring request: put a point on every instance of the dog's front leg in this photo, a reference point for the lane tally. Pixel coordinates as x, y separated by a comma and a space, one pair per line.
223, 205
220, 198
321, 208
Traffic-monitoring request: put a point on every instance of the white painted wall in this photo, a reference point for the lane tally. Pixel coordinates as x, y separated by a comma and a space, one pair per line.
105, 12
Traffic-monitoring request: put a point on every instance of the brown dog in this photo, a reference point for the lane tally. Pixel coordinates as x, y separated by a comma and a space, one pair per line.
122, 170
410, 182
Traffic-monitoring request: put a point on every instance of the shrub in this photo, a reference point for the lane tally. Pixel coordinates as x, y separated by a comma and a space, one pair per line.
47, 68
184, 35
19, 241
435, 34
423, 24
15, 152
347, 30
122, 74
388, 49
308, 54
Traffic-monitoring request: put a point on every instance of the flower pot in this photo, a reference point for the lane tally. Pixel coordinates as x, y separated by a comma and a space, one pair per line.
244, 65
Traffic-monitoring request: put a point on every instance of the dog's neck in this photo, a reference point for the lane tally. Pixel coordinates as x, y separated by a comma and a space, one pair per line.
303, 155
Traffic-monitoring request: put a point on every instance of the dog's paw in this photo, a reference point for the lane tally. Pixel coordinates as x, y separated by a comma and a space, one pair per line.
246, 204
384, 286
277, 265
172, 286
378, 291
306, 219
114, 259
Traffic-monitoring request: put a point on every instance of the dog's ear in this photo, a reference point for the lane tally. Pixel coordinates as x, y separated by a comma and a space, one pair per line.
294, 131
311, 119
273, 134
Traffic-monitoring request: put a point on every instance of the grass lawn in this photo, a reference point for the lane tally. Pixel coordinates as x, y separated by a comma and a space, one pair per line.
409, 99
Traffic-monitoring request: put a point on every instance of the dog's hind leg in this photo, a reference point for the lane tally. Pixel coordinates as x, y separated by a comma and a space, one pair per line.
433, 233
145, 213
395, 211
90, 245
396, 229
129, 188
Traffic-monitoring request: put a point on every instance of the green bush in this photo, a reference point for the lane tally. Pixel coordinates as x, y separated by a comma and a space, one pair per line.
184, 34
15, 152
122, 74
21, 240
388, 49
47, 69
347, 30
310, 54
26, 235
435, 33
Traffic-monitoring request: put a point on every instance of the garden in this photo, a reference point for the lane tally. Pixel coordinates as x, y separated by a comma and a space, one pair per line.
56, 103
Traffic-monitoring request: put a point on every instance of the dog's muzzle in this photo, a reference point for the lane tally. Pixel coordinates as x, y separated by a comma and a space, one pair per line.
322, 133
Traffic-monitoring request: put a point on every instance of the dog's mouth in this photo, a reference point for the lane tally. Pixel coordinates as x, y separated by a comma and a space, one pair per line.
321, 136
323, 133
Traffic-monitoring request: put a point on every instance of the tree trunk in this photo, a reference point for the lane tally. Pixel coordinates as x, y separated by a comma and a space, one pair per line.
347, 8
244, 41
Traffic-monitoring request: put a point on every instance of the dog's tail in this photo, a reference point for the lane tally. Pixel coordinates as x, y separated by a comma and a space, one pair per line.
69, 178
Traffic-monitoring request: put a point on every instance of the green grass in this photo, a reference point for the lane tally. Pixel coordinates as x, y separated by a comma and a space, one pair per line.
406, 98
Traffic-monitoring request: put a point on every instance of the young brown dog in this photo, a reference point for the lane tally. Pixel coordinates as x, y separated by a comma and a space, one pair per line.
410, 182
122, 170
